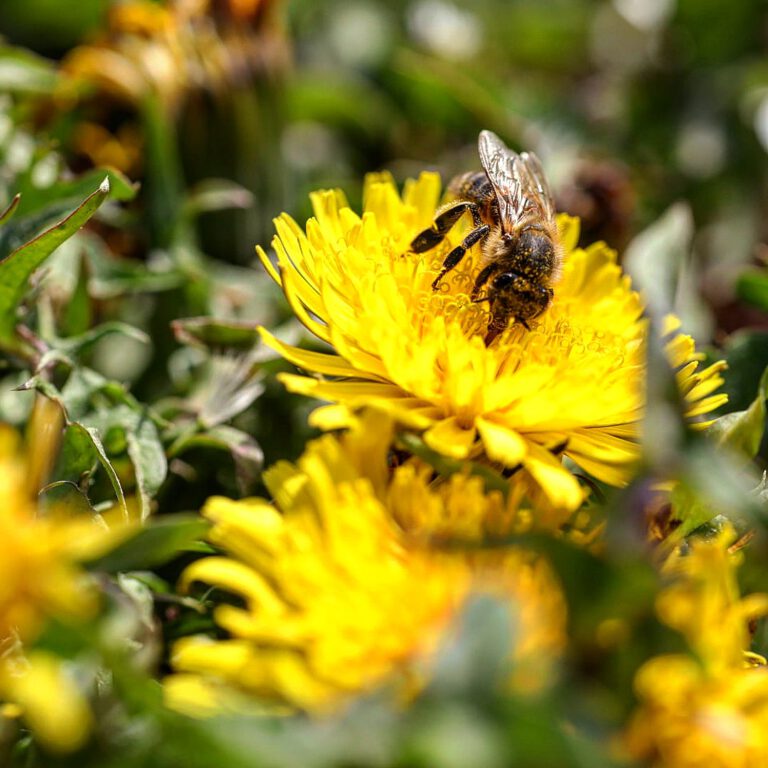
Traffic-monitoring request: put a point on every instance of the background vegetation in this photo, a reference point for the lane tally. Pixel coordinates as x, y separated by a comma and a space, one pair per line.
651, 117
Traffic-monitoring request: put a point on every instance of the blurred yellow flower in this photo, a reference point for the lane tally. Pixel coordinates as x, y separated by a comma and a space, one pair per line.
342, 586
38, 571
710, 708
573, 385
172, 49
47, 698
40, 578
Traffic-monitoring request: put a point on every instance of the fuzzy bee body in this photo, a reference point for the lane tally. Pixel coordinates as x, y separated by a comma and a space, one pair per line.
514, 221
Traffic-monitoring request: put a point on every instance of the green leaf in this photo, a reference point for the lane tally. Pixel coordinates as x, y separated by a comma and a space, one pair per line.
80, 444
716, 483
657, 255
155, 544
743, 430
216, 195
245, 451
39, 207
134, 431
746, 353
752, 287
67, 192
66, 498
16, 270
87, 390
24, 72
210, 333
100, 411
690, 509
146, 452
76, 344
76, 316
9, 212
117, 277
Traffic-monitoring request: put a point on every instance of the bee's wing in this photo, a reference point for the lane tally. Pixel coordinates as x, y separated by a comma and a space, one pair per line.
503, 168
537, 190
519, 182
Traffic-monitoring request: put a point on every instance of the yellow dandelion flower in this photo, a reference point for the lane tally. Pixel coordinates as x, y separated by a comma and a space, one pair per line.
39, 578
339, 588
712, 708
573, 385
38, 572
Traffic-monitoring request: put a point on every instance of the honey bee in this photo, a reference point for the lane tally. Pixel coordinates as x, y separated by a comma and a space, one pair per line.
514, 221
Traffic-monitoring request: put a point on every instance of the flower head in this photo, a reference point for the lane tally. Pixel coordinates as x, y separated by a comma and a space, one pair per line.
342, 586
40, 577
572, 385
175, 48
710, 708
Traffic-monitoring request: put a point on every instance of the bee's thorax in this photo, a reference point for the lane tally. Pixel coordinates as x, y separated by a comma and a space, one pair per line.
530, 254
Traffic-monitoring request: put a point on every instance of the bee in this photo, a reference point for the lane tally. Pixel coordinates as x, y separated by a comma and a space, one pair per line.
513, 214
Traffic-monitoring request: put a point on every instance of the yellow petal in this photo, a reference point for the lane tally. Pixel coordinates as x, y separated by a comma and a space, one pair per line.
330, 417
234, 577
568, 228
330, 365
450, 438
501, 443
559, 485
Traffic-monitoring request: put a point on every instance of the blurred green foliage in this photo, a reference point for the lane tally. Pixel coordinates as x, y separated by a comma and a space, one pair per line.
142, 325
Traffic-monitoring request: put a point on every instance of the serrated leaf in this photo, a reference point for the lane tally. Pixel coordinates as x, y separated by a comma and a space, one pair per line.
16, 270
154, 544
743, 430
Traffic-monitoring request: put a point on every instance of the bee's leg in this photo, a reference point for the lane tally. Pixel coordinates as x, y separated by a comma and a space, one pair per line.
433, 236
458, 253
481, 280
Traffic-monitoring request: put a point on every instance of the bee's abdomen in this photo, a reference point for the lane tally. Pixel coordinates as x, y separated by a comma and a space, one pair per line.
473, 186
